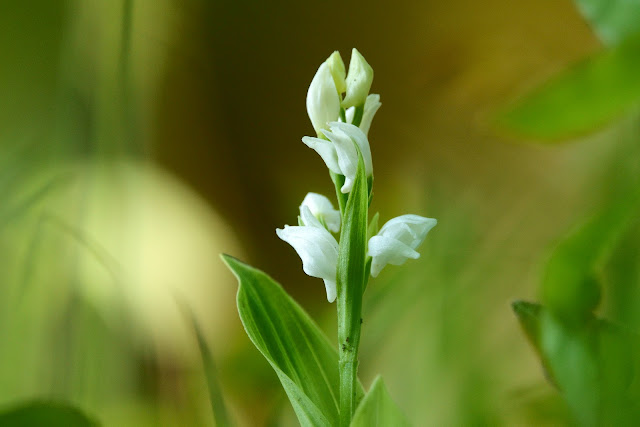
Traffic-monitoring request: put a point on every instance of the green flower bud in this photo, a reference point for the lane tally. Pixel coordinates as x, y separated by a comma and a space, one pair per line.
358, 82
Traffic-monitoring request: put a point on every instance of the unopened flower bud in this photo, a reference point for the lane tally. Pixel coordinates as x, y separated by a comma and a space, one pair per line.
359, 80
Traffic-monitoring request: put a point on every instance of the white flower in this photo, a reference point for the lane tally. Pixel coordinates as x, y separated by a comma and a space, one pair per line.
317, 248
322, 210
371, 105
397, 241
323, 100
359, 79
339, 152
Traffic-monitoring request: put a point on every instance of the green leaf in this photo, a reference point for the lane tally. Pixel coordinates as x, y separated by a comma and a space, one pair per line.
569, 287
591, 364
612, 20
216, 399
581, 99
42, 413
528, 314
301, 355
351, 282
377, 409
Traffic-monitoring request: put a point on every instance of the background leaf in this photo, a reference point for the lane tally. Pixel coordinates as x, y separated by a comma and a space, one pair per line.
592, 365
51, 414
377, 409
216, 398
581, 99
301, 355
612, 20
569, 286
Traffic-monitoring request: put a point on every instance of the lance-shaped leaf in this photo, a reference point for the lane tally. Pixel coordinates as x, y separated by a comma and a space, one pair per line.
43, 413
301, 355
377, 409
582, 99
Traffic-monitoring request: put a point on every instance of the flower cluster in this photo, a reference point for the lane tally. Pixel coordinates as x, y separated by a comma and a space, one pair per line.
342, 124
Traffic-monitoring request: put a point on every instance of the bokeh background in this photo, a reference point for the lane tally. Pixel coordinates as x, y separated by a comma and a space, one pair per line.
139, 139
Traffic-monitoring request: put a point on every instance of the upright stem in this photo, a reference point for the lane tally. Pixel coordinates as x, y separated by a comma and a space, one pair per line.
351, 273
349, 311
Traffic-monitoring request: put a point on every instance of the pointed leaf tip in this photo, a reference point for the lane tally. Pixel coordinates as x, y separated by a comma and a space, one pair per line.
378, 409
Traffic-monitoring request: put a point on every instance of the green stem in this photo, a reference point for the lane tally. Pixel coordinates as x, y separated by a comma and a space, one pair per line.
357, 116
351, 274
349, 326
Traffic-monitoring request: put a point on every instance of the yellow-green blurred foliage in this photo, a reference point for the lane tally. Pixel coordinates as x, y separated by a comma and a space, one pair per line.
139, 139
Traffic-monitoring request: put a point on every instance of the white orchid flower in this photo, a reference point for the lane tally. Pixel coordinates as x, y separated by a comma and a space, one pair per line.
398, 240
339, 152
371, 105
323, 99
322, 209
317, 248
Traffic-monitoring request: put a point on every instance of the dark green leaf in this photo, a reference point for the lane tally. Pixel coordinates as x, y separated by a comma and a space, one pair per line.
301, 355
377, 409
612, 20
41, 413
582, 99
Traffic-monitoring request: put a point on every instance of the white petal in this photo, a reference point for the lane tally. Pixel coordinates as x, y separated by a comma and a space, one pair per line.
323, 101
330, 286
397, 240
317, 248
308, 218
349, 113
327, 151
358, 136
346, 151
385, 250
348, 185
371, 105
320, 206
410, 229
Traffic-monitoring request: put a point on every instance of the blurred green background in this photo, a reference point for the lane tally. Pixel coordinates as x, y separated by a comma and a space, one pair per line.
139, 139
